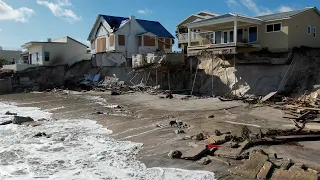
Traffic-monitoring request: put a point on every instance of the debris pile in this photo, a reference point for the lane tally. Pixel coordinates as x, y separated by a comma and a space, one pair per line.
235, 145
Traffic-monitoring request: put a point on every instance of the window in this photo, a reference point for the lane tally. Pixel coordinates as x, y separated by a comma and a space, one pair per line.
218, 37
161, 42
149, 40
309, 30
225, 37
273, 27
253, 34
168, 43
209, 36
121, 40
231, 36
314, 32
37, 56
46, 56
240, 35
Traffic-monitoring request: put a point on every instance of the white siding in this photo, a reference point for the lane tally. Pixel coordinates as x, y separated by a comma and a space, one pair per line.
130, 30
33, 50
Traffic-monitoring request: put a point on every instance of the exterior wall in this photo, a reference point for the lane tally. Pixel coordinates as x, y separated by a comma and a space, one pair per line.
5, 86
8, 55
130, 30
274, 41
18, 67
61, 53
33, 50
299, 36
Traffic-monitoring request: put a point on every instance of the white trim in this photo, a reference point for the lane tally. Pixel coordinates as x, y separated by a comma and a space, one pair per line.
314, 32
182, 22
273, 27
257, 34
308, 30
208, 13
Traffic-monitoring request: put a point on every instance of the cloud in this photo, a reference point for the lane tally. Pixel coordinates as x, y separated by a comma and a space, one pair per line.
285, 9
59, 9
144, 11
8, 13
252, 6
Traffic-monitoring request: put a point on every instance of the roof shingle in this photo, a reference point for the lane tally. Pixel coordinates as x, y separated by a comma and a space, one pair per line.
154, 27
282, 15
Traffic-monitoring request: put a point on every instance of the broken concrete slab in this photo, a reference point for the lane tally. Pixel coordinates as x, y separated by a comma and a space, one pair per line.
233, 153
21, 120
195, 153
293, 175
251, 167
204, 161
265, 170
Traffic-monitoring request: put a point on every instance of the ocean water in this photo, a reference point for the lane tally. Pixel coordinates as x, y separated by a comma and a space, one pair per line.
77, 149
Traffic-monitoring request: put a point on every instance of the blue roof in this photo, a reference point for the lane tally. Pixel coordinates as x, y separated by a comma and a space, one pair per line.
150, 26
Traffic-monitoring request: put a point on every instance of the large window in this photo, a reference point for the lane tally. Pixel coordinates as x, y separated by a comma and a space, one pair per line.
121, 40
240, 35
37, 56
231, 36
209, 36
225, 37
253, 34
46, 56
273, 27
149, 40
314, 32
217, 37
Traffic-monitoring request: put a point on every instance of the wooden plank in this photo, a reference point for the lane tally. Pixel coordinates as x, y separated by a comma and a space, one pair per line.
270, 95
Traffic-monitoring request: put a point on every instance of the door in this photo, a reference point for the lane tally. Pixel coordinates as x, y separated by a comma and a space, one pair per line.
217, 37
253, 34
30, 59
225, 37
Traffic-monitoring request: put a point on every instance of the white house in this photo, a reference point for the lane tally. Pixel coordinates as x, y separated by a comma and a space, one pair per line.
128, 36
53, 52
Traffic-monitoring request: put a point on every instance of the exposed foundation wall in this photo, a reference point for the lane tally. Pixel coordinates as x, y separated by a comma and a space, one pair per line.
302, 73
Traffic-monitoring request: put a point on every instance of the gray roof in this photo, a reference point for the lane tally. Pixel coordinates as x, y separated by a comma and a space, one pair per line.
283, 15
224, 16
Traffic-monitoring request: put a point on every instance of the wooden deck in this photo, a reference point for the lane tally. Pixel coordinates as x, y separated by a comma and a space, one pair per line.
225, 48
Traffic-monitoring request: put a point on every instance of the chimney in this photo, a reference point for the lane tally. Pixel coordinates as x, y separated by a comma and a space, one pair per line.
49, 39
132, 17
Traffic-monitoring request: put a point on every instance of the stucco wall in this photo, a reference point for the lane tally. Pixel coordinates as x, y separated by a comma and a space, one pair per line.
61, 53
274, 41
33, 50
298, 34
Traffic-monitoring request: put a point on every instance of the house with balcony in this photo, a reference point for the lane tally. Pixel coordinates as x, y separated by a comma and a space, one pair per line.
114, 39
196, 35
234, 33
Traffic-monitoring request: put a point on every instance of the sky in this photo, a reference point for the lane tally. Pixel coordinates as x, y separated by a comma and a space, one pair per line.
22, 21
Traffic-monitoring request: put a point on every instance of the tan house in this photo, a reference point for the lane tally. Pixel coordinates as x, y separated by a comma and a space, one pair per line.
233, 33
196, 34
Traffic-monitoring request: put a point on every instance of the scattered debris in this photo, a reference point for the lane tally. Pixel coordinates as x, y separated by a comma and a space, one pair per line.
294, 175
179, 131
169, 95
11, 114
5, 123
175, 154
195, 153
20, 120
267, 97
98, 112
115, 93
198, 137
251, 167
41, 134
217, 132
172, 123
265, 170
210, 116
204, 161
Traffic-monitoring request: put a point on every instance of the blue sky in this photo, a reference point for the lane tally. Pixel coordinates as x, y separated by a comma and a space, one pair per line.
25, 20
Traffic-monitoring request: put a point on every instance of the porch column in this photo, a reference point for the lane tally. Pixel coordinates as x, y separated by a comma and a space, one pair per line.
189, 37
235, 32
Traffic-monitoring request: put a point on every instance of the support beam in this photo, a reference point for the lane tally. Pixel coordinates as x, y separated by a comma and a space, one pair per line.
235, 31
189, 37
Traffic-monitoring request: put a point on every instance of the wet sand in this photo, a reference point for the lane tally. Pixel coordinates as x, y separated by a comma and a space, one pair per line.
140, 114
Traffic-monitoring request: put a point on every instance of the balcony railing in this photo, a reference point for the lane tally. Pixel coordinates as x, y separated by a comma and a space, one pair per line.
184, 37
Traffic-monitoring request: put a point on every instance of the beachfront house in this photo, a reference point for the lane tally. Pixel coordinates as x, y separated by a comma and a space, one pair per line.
234, 33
